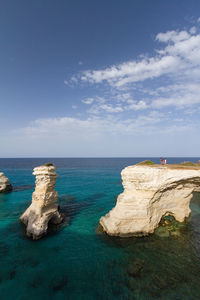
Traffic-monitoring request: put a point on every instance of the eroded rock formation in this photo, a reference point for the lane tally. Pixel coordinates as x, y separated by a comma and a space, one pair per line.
43, 208
151, 192
5, 185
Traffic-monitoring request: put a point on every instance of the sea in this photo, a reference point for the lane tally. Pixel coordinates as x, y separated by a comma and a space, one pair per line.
76, 261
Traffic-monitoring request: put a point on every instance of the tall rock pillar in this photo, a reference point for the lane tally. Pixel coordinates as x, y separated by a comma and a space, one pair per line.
43, 208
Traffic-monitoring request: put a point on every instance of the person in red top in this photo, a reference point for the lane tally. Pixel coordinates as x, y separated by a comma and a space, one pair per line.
163, 161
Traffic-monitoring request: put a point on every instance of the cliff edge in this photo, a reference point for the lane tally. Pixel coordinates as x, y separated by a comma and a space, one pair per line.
151, 192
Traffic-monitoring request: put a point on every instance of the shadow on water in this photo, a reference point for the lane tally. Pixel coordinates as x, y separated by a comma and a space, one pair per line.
20, 188
70, 206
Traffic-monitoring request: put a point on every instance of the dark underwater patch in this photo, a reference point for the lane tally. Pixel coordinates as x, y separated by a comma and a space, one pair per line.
36, 282
70, 206
20, 188
59, 283
4, 249
12, 274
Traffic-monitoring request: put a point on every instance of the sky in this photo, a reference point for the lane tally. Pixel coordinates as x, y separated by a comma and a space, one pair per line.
99, 78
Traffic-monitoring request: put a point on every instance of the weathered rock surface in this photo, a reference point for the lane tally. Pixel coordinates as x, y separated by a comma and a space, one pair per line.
43, 208
151, 192
5, 185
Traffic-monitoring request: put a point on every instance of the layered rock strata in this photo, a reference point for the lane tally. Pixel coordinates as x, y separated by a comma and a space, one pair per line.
43, 208
151, 192
5, 185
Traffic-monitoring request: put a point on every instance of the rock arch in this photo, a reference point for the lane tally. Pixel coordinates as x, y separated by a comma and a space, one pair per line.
149, 193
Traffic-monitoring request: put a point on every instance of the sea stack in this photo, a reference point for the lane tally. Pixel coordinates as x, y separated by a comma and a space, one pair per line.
151, 192
43, 208
5, 185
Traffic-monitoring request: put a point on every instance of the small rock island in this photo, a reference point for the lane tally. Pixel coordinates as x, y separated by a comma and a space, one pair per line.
43, 208
5, 185
151, 192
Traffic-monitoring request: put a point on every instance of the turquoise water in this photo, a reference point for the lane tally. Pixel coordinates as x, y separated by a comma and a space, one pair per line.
75, 261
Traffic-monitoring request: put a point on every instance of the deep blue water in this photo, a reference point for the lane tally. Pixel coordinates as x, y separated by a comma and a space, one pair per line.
76, 262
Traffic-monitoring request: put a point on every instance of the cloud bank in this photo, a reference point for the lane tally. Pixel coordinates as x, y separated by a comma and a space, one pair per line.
139, 107
169, 78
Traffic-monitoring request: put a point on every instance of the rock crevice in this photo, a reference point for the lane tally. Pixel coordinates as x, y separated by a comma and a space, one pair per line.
151, 192
43, 208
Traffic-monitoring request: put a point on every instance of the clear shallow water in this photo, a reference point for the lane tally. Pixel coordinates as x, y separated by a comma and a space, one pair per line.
74, 261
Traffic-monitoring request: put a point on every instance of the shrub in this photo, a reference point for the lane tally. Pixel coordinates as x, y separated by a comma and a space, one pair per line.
49, 164
146, 162
187, 163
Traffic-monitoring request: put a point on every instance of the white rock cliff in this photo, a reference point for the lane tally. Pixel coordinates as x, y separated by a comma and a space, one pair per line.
43, 208
5, 185
151, 192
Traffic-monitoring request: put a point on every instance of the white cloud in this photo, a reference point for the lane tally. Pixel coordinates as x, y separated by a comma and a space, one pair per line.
88, 101
193, 30
93, 126
102, 136
123, 97
172, 76
118, 104
133, 71
137, 106
173, 36
181, 53
74, 79
179, 95
109, 108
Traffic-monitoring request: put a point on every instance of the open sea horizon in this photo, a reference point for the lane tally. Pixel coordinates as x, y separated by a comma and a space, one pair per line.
74, 261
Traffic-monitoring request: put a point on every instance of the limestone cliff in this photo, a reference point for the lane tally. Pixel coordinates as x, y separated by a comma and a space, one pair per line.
151, 192
5, 185
43, 208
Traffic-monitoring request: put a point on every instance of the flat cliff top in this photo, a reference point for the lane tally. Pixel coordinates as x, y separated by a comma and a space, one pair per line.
183, 165
47, 169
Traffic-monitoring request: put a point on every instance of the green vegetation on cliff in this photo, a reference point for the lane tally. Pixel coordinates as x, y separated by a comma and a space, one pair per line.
146, 162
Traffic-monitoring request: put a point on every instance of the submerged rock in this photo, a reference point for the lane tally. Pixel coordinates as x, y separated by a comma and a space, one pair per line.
43, 208
162, 232
151, 192
59, 283
168, 226
136, 267
5, 185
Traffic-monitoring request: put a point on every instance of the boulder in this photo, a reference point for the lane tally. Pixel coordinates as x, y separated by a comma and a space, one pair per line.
5, 185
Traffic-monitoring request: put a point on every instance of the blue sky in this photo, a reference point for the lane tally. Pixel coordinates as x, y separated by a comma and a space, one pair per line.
99, 78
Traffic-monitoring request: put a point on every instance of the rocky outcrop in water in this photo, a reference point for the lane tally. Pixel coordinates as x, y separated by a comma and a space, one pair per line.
151, 192
5, 185
43, 208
